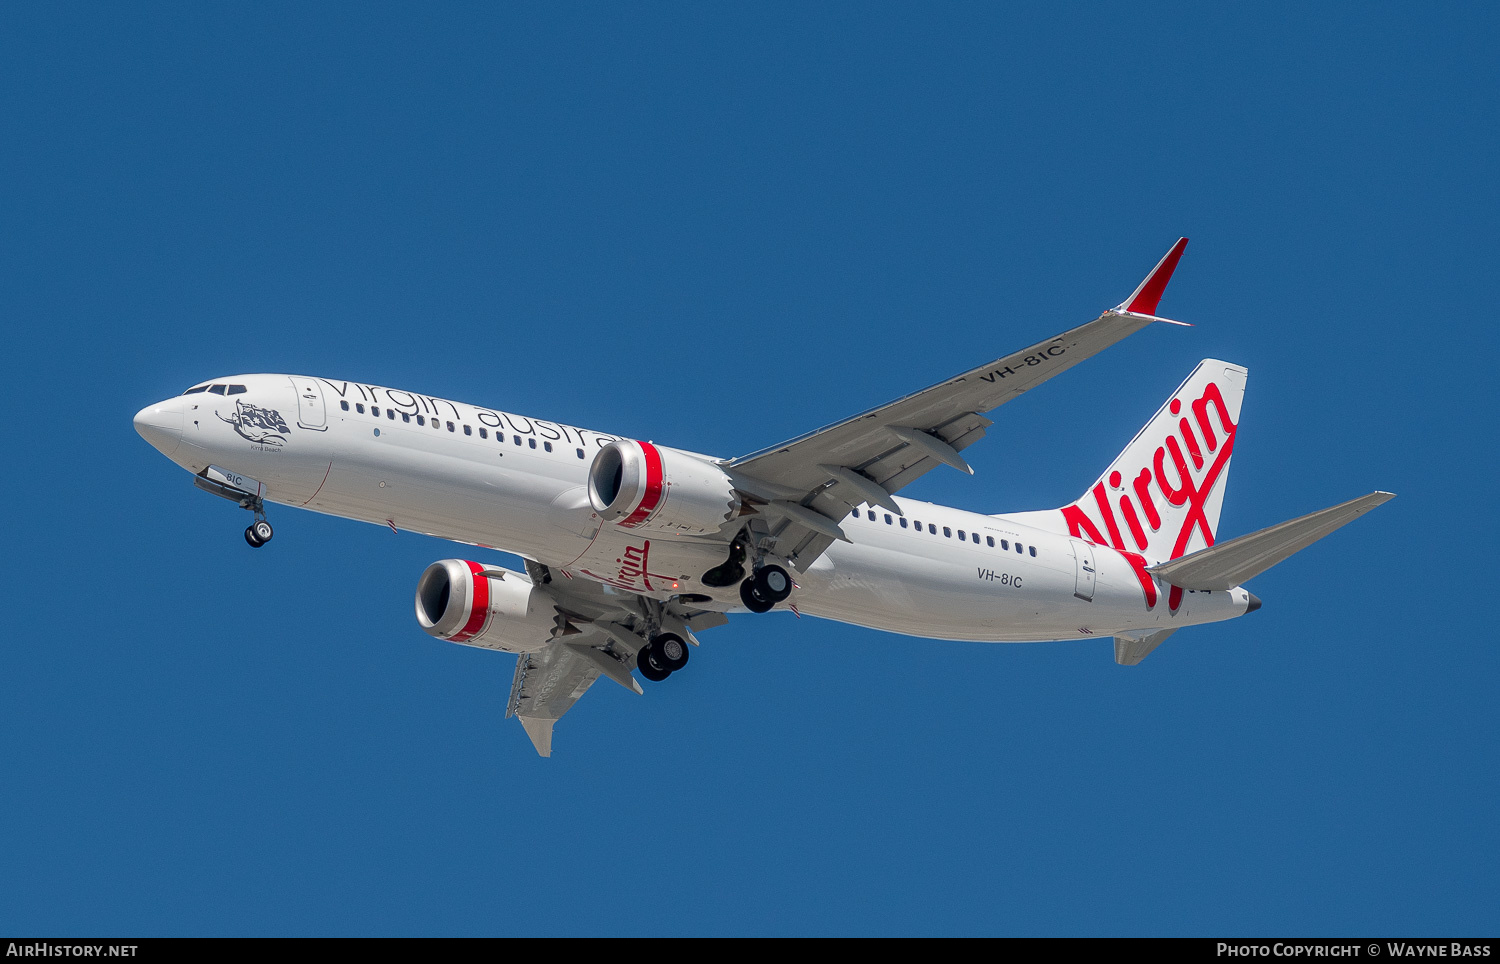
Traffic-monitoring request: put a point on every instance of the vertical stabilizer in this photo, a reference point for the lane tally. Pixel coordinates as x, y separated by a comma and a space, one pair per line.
1161, 497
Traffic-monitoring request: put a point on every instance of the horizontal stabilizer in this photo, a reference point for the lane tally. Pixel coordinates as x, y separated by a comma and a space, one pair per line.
1130, 649
1232, 563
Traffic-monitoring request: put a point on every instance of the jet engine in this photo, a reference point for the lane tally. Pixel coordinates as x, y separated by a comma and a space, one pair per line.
465, 602
638, 485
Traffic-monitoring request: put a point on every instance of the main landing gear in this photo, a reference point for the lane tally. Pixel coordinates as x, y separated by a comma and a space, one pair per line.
662, 656
768, 586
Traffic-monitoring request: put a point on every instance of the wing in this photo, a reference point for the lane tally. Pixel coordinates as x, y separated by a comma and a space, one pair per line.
811, 481
599, 630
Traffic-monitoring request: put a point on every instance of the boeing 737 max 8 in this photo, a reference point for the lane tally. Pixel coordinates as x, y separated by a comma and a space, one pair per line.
632, 548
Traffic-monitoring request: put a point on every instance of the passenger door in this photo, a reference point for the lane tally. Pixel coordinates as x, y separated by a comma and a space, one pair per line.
310, 411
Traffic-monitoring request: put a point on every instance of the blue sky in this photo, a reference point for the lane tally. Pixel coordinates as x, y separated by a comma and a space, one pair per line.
717, 228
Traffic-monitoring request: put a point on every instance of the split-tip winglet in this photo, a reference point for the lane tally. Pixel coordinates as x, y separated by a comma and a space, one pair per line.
1148, 295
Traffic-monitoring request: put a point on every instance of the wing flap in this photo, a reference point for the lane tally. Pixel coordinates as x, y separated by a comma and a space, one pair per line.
1238, 560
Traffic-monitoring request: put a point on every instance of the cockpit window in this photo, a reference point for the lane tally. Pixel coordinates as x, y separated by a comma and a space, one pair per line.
196, 389
216, 389
236, 390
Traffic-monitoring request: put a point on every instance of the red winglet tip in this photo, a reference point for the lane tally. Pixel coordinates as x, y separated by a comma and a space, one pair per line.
1148, 295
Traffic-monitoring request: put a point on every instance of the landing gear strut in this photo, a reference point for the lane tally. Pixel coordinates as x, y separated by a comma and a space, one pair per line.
662, 656
259, 532
767, 587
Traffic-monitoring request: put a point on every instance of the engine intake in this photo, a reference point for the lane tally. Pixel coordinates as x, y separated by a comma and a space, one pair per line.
638, 485
459, 601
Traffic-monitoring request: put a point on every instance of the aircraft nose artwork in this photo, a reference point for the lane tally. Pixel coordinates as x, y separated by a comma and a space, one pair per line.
161, 425
263, 426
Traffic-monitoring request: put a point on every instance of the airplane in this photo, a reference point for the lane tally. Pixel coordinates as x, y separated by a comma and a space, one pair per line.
632, 548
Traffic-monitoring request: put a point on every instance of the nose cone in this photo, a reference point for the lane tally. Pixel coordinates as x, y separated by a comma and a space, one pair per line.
161, 425
1254, 602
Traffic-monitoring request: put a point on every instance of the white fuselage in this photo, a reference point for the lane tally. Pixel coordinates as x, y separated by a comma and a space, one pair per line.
485, 477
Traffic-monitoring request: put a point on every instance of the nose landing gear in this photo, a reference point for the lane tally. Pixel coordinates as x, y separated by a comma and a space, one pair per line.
228, 485
259, 532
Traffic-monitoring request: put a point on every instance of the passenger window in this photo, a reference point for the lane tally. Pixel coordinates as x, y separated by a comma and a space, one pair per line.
947, 533
531, 442
887, 518
359, 407
216, 389
872, 515
344, 406
855, 513
1019, 549
580, 452
976, 538
484, 433
468, 431
390, 413
1005, 543
450, 426
375, 410
963, 536
903, 523
236, 389
421, 420
1033, 551
438, 426
932, 528
406, 417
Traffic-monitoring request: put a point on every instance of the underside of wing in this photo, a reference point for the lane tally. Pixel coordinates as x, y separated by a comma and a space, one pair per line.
546, 685
599, 631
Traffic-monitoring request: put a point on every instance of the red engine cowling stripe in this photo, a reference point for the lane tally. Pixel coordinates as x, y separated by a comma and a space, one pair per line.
479, 600
652, 498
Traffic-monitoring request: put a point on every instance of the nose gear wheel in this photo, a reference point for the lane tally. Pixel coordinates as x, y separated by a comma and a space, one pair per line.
259, 532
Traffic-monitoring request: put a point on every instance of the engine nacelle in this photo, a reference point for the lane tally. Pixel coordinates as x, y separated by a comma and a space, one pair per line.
637, 485
459, 602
